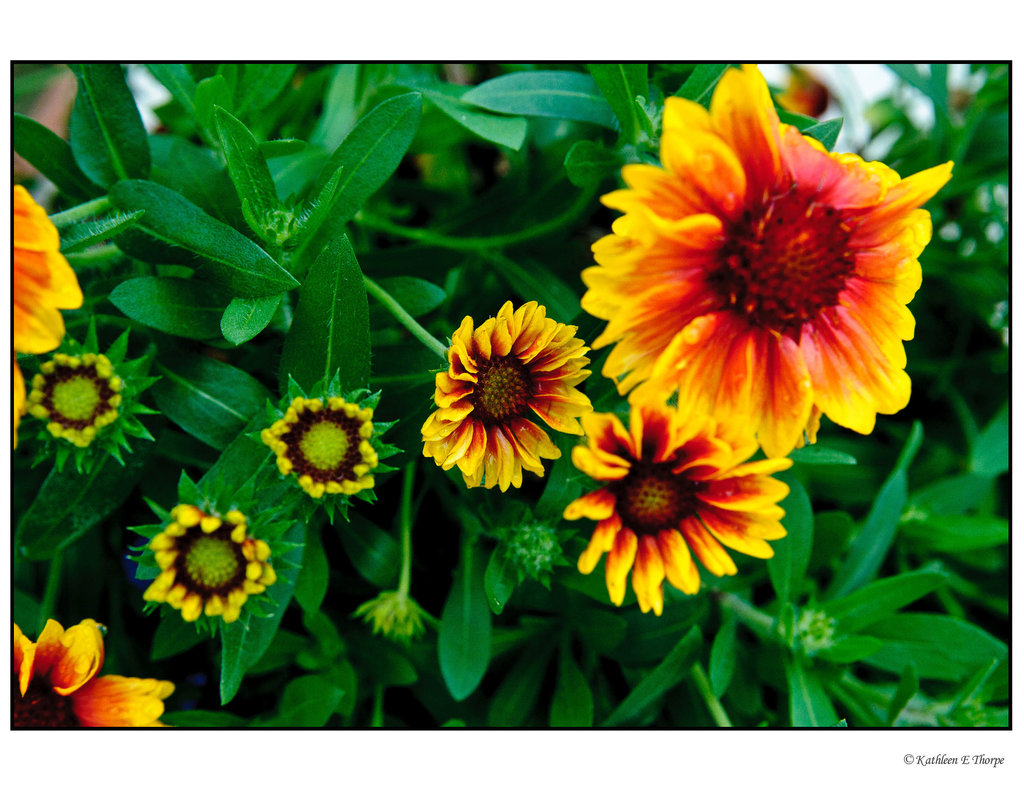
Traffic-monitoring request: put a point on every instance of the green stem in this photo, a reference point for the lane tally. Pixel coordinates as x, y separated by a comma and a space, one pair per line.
52, 590
97, 255
714, 705
759, 621
82, 211
377, 719
584, 199
403, 316
405, 520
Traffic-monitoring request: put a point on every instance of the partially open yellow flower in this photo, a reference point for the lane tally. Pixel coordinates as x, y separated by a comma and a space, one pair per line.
208, 564
514, 369
77, 396
43, 283
55, 683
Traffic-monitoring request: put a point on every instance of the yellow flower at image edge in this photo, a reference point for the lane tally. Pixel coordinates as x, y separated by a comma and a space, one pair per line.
673, 483
763, 278
515, 368
77, 396
55, 683
208, 564
42, 284
327, 446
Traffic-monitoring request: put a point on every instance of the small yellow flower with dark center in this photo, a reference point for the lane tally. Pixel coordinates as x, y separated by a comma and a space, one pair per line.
327, 446
515, 368
77, 396
208, 564
674, 481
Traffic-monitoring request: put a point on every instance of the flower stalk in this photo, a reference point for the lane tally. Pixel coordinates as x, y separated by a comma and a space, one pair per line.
405, 319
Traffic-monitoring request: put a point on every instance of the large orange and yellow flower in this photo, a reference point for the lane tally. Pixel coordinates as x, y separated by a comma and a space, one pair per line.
43, 283
762, 277
513, 369
675, 482
55, 683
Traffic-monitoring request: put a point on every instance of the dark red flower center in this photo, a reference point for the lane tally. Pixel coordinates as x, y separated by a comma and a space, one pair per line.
41, 707
75, 396
784, 263
503, 389
651, 498
324, 445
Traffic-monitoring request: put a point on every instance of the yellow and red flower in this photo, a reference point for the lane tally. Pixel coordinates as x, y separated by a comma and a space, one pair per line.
675, 482
515, 368
758, 275
43, 283
208, 564
55, 683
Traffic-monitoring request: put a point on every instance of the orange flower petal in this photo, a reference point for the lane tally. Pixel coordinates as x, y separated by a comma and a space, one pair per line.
618, 562
114, 700
648, 574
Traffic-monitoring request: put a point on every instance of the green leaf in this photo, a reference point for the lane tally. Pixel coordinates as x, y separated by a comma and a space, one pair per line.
374, 553
271, 149
415, 295
537, 282
69, 504
246, 317
308, 702
198, 174
702, 81
210, 400
369, 155
665, 676
260, 84
793, 552
818, 455
990, 454
508, 132
311, 586
573, 702
951, 495
173, 636
551, 94
933, 89
499, 580
826, 132
383, 661
600, 630
210, 92
872, 543
513, 701
82, 235
621, 83
905, 691
228, 258
176, 79
940, 647
464, 636
723, 655
879, 599
248, 169
339, 108
239, 462
809, 705
107, 136
176, 306
849, 649
958, 533
51, 156
587, 163
331, 328
243, 642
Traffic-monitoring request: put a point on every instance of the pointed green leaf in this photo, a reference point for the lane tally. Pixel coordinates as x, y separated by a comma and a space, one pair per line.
247, 168
792, 553
723, 656
210, 400
86, 234
573, 703
210, 92
819, 455
905, 691
621, 83
990, 454
809, 704
499, 580
702, 81
826, 132
107, 136
464, 637
553, 94
173, 636
229, 259
307, 702
331, 328
51, 156
374, 553
176, 79
177, 306
505, 131
665, 676
260, 84
513, 701
311, 586
881, 598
